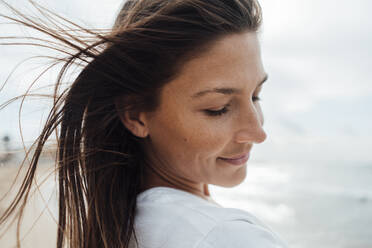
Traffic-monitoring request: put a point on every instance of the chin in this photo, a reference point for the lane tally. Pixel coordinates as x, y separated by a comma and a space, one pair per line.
232, 182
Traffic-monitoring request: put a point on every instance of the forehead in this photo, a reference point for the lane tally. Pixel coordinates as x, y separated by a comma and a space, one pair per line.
233, 61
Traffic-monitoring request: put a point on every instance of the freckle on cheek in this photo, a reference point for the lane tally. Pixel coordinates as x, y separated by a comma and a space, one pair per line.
185, 139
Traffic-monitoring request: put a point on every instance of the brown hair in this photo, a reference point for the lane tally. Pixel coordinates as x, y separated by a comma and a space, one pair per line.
100, 163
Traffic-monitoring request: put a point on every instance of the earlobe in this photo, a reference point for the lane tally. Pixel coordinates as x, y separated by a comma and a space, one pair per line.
133, 120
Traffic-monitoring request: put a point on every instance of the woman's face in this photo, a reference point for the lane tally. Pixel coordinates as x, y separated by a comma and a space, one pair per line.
208, 114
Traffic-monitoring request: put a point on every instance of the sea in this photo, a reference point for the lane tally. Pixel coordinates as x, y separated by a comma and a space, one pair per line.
322, 205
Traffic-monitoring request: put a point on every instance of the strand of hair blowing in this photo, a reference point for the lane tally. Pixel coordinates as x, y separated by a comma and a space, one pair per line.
100, 164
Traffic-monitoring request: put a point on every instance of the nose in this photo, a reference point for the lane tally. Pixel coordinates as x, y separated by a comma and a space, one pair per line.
250, 124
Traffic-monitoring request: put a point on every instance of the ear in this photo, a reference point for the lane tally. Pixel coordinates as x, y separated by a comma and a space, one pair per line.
134, 121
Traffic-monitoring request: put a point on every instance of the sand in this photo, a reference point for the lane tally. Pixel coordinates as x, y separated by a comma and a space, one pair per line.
38, 228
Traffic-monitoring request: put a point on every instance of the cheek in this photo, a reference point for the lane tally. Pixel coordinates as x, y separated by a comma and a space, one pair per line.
204, 138
195, 139
183, 137
201, 145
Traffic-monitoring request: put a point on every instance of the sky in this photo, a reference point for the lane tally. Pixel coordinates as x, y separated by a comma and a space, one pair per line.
317, 101
318, 55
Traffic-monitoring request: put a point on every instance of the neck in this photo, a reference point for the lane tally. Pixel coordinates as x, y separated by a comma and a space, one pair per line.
155, 179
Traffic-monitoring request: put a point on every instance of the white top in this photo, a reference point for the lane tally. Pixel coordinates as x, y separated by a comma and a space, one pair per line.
173, 218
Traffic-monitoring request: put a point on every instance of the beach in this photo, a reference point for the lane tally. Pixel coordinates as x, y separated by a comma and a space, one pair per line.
307, 205
38, 225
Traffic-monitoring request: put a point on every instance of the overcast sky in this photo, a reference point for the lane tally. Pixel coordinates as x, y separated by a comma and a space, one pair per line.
317, 102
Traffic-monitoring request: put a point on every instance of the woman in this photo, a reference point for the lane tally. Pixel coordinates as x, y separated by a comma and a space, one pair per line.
166, 104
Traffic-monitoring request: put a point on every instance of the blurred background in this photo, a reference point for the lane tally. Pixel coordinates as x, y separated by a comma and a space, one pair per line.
311, 180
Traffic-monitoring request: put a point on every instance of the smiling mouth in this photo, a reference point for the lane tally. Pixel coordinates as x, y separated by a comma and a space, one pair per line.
237, 157
237, 160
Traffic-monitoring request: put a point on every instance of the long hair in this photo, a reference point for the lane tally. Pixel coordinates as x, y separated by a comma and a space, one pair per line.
100, 163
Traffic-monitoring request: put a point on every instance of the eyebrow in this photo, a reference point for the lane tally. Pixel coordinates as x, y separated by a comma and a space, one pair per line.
226, 91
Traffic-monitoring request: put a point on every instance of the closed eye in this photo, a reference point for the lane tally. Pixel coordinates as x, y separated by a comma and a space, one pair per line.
217, 112
225, 109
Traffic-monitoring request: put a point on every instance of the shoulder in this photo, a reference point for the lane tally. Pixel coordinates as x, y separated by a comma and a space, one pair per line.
172, 216
169, 219
240, 234
165, 207
165, 217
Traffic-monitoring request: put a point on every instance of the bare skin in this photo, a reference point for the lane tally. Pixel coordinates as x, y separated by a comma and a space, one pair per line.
185, 141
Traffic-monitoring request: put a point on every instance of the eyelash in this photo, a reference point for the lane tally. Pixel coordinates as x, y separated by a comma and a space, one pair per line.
225, 108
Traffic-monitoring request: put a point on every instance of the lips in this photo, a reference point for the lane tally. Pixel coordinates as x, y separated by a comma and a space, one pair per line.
237, 157
237, 160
